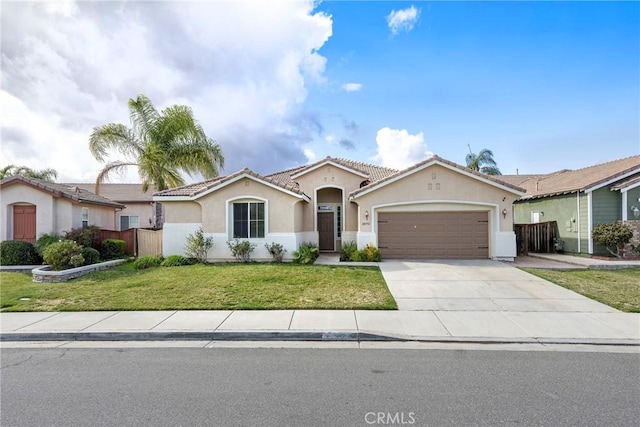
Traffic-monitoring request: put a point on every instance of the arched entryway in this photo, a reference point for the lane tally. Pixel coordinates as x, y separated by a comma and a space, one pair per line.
24, 223
329, 218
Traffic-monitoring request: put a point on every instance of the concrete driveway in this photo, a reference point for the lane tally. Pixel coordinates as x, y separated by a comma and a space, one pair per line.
478, 285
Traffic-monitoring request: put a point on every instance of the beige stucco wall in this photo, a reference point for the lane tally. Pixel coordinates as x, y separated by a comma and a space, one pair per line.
338, 179
437, 183
100, 216
182, 212
145, 212
280, 211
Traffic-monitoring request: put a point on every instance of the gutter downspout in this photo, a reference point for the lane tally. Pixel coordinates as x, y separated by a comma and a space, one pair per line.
578, 200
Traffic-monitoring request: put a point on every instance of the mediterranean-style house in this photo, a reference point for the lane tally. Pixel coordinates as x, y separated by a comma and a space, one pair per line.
580, 199
140, 210
433, 209
31, 207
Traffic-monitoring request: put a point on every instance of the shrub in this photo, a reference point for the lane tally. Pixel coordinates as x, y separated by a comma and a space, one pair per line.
147, 262
198, 246
85, 236
276, 250
612, 235
370, 253
90, 255
63, 255
241, 250
177, 260
16, 252
45, 240
307, 253
113, 248
347, 251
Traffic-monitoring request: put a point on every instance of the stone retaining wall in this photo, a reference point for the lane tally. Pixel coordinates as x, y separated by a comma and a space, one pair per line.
635, 240
44, 274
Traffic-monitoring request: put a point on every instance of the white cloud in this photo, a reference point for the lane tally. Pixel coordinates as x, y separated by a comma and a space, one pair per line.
403, 20
244, 67
352, 87
310, 155
399, 149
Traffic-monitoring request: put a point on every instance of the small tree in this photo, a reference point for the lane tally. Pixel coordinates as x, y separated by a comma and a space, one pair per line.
198, 246
276, 250
613, 235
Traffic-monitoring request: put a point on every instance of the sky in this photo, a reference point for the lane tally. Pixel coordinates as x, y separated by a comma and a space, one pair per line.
278, 84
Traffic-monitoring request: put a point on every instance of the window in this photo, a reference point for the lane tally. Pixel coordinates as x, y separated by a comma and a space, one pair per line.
248, 220
535, 217
131, 221
85, 217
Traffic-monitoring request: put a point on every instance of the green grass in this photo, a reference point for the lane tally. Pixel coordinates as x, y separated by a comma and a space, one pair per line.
204, 287
619, 289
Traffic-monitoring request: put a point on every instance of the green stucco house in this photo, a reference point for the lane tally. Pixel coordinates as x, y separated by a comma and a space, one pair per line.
580, 199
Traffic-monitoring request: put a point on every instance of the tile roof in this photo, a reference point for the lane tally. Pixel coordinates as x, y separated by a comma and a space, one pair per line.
72, 192
627, 183
192, 190
435, 158
122, 193
569, 181
374, 172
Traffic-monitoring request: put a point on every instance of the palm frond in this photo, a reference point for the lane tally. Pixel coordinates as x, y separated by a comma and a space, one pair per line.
113, 136
113, 167
144, 118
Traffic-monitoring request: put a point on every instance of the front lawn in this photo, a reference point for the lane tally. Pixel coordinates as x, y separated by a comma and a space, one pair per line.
204, 287
619, 289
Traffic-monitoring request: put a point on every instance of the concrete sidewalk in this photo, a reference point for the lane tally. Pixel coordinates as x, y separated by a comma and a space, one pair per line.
585, 262
326, 325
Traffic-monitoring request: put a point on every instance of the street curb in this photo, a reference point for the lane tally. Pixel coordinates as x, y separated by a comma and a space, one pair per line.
295, 336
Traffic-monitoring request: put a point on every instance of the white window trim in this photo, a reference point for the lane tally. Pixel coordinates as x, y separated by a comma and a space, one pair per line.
246, 199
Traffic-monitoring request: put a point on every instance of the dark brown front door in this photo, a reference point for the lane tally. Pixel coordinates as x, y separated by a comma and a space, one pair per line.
325, 231
24, 223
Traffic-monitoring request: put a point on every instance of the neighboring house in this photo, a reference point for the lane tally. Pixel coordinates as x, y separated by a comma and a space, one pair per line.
140, 209
580, 199
433, 209
32, 207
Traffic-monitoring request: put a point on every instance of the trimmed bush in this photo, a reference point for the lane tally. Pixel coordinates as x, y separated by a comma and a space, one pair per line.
348, 250
369, 254
113, 248
241, 250
613, 235
16, 252
63, 255
177, 260
91, 256
198, 246
147, 262
276, 250
45, 240
307, 253
85, 236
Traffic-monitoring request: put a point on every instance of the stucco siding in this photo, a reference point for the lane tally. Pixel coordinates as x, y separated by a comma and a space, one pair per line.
144, 211
437, 183
23, 194
100, 216
182, 212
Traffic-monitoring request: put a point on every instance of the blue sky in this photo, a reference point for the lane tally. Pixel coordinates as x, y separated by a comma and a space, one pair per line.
545, 85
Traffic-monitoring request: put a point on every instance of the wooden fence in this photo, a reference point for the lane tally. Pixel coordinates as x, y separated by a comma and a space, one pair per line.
138, 241
540, 237
129, 237
149, 242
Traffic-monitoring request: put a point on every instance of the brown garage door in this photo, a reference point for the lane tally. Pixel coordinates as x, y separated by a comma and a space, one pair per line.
460, 234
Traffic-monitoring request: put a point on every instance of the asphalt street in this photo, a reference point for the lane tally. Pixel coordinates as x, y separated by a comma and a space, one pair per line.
300, 387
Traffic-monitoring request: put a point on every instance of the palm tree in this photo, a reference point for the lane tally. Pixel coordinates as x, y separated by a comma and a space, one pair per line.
47, 174
482, 162
160, 144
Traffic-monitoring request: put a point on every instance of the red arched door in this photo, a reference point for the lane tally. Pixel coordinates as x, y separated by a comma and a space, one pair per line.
24, 223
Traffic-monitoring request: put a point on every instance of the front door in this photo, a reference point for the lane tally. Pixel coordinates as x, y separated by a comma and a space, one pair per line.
325, 231
24, 223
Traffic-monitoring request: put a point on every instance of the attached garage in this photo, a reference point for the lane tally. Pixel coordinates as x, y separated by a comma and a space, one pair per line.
419, 235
